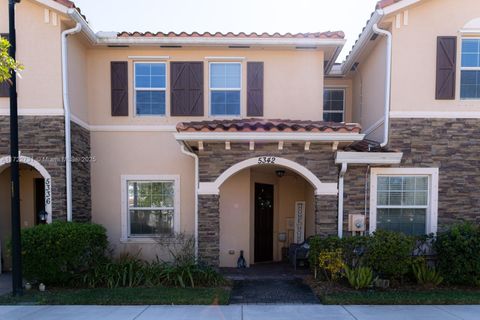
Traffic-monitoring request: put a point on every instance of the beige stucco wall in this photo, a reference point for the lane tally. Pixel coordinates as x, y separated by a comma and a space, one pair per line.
39, 50
137, 153
235, 218
77, 77
414, 55
368, 83
345, 84
293, 82
27, 205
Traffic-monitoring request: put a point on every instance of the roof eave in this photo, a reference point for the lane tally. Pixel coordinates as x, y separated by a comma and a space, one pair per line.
362, 41
270, 136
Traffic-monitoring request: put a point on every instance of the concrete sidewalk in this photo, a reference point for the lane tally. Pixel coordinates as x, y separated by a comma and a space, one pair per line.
245, 312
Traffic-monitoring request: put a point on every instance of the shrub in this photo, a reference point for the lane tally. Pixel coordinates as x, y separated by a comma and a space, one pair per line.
458, 254
389, 254
331, 263
425, 275
360, 277
56, 253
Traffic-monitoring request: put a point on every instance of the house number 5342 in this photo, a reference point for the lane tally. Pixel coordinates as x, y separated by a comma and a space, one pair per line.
266, 160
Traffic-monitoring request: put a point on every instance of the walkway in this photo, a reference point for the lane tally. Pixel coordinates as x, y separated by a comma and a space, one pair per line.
247, 312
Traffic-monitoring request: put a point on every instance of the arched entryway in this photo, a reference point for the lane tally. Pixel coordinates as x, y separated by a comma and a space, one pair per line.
35, 197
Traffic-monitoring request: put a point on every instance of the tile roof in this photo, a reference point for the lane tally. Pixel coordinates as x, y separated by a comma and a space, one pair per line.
366, 146
71, 5
312, 35
267, 125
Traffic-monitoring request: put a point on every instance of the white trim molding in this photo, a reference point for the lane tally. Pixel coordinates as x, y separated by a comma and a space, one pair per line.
267, 136
353, 158
435, 114
125, 238
5, 163
213, 188
34, 111
140, 58
432, 210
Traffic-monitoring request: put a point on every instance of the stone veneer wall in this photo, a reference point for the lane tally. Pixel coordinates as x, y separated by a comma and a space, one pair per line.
214, 160
41, 138
81, 162
452, 145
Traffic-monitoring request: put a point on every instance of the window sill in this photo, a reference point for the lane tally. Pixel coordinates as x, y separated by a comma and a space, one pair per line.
139, 240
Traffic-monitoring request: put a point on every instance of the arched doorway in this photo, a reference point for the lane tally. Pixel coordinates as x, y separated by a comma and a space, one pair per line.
264, 205
35, 197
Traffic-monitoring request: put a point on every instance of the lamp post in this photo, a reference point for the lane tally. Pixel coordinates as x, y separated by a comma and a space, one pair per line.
14, 168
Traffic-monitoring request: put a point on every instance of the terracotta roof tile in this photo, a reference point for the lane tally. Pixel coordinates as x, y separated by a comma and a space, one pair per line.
266, 125
366, 146
385, 3
313, 35
71, 5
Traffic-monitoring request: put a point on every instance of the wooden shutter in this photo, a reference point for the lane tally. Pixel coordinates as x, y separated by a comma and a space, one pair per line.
186, 79
255, 89
119, 82
4, 86
446, 68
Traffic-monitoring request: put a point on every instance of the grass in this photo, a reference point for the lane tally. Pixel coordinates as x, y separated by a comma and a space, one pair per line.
434, 296
122, 296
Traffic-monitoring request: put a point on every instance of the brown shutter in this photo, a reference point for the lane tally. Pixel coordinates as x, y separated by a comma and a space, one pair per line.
4, 86
186, 79
255, 89
446, 68
119, 82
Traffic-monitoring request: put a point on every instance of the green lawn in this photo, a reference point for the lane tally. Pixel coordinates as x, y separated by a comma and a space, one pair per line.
440, 296
123, 296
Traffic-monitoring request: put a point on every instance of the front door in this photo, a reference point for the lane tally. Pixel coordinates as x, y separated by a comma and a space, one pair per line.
39, 198
263, 222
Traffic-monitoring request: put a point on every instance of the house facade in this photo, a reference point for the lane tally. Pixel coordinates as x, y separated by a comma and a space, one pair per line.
246, 142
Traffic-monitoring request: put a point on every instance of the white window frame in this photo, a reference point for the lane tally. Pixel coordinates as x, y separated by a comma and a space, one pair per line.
126, 237
432, 208
465, 68
135, 89
210, 89
335, 111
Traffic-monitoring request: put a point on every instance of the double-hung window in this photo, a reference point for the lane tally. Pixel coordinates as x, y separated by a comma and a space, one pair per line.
150, 87
333, 105
470, 70
403, 200
225, 88
151, 206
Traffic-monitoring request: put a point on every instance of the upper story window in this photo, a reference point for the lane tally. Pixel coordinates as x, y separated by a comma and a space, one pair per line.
150, 87
404, 200
334, 105
225, 88
470, 70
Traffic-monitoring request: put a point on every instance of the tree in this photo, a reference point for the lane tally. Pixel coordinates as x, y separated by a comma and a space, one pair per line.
7, 64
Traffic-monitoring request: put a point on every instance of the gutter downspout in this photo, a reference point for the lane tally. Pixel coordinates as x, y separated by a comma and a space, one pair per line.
66, 106
195, 157
340, 198
388, 82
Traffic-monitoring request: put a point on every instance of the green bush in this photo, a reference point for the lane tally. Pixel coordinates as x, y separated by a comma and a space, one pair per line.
425, 275
360, 277
389, 254
458, 254
56, 253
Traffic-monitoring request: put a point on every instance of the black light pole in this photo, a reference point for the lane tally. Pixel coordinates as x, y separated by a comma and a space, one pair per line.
17, 285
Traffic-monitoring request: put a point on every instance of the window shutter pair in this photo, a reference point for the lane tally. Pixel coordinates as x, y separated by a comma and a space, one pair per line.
4, 86
186, 88
446, 68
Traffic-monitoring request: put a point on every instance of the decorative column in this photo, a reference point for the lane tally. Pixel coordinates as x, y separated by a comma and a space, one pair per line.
326, 214
209, 229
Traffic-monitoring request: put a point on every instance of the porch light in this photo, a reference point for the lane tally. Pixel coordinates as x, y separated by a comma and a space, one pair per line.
280, 173
42, 216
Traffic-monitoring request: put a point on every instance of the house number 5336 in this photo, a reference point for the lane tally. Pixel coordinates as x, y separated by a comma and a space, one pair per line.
266, 160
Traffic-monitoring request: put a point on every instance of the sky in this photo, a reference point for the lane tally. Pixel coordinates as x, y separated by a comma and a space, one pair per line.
270, 16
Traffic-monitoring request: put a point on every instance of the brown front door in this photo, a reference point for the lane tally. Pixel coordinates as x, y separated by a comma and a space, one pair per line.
263, 222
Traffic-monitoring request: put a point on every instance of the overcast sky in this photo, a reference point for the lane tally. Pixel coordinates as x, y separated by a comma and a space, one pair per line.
282, 16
